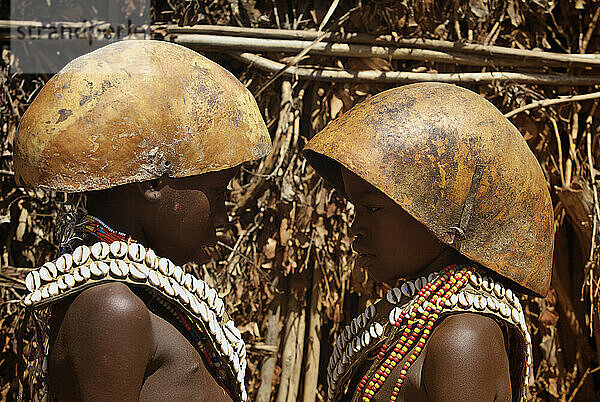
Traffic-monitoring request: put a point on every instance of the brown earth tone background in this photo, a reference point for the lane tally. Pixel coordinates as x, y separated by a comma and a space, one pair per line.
284, 264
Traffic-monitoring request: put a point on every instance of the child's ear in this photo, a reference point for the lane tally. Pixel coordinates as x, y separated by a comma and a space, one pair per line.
150, 190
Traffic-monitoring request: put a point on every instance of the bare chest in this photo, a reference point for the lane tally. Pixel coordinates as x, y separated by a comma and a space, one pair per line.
177, 371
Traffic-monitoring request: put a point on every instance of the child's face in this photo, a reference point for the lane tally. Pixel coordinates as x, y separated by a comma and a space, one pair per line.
184, 220
391, 244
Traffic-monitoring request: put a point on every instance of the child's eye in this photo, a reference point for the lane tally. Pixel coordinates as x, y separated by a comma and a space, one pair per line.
372, 209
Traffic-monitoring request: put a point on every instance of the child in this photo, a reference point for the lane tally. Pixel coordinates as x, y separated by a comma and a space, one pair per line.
150, 133
449, 199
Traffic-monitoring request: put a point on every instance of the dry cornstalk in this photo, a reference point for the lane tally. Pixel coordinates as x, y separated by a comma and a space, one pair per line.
318, 74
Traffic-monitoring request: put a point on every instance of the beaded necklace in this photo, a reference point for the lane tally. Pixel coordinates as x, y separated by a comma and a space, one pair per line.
103, 232
393, 332
419, 320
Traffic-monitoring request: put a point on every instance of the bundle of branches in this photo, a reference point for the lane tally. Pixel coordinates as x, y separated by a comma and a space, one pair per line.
284, 265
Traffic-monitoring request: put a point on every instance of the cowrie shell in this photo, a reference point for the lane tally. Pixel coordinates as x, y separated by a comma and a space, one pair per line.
475, 279
219, 306
69, 280
45, 275
85, 272
376, 330
165, 266
153, 278
452, 300
136, 252
100, 250
431, 277
347, 333
95, 270
182, 294
211, 295
51, 267
492, 304
104, 267
188, 282
114, 269
77, 276
27, 301
124, 267
356, 345
212, 325
366, 339
136, 273
408, 289
362, 320
480, 302
151, 259
64, 263
499, 290
487, 284
516, 316
61, 283
177, 273
45, 293
118, 249
394, 315
168, 288
203, 311
53, 289
236, 332
504, 309
195, 304
509, 295
36, 296
81, 254
230, 335
340, 342
463, 300
354, 326
394, 295
370, 311
32, 281
201, 288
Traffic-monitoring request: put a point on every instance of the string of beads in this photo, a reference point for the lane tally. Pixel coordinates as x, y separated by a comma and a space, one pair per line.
419, 319
104, 232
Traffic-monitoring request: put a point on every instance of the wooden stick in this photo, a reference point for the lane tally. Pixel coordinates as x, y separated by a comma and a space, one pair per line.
406, 77
313, 347
487, 50
549, 102
272, 341
288, 351
547, 58
583, 378
212, 42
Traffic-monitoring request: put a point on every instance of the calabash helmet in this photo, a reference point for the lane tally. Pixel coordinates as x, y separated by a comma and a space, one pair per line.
134, 111
451, 160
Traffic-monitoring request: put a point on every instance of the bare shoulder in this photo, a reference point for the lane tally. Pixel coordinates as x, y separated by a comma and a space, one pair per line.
466, 358
109, 301
104, 330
